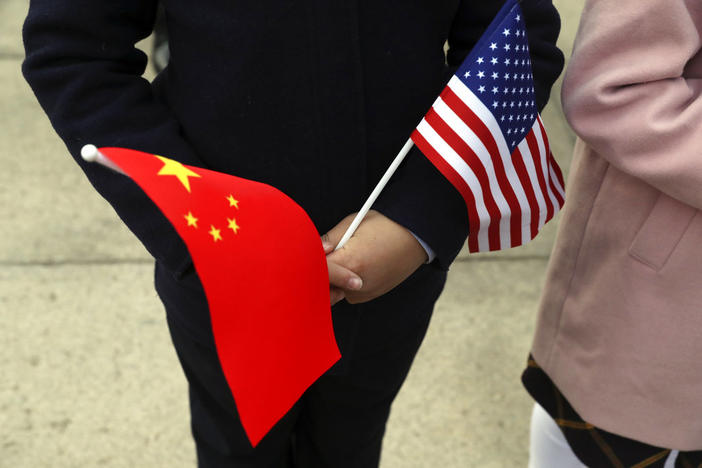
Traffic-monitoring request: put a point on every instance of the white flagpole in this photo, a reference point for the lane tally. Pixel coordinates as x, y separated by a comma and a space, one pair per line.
376, 192
91, 154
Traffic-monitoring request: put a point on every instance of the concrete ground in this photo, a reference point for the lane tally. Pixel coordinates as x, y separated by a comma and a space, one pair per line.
89, 377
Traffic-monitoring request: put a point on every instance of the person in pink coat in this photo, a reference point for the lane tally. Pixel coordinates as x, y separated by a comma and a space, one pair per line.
616, 364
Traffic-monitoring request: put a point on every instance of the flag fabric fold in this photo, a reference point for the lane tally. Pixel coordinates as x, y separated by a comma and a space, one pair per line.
262, 266
485, 135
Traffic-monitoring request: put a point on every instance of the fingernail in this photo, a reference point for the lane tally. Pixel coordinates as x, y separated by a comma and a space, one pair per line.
326, 245
355, 283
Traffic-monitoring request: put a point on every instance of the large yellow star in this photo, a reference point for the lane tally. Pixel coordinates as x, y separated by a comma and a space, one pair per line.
175, 168
232, 225
192, 220
215, 233
233, 201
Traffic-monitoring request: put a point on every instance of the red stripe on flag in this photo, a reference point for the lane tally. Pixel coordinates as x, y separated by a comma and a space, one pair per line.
553, 165
458, 182
559, 175
481, 130
547, 144
518, 161
536, 155
557, 170
472, 160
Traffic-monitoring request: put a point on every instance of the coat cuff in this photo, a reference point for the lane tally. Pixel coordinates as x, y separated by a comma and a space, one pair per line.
419, 198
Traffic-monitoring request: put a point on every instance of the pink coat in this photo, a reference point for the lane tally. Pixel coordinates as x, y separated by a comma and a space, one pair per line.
620, 324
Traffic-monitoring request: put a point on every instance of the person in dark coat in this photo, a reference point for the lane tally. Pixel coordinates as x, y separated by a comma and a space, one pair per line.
314, 98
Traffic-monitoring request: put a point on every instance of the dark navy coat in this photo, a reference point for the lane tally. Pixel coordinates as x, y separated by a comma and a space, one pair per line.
314, 97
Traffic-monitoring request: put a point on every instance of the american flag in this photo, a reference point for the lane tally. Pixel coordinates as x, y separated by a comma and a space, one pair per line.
485, 135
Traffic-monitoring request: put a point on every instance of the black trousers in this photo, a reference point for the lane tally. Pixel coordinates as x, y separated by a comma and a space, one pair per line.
340, 421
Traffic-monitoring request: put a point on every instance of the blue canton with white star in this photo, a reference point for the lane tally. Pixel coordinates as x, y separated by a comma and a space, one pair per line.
498, 71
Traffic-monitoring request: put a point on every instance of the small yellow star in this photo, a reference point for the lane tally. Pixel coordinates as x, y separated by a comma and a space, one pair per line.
192, 220
175, 168
215, 233
232, 225
233, 201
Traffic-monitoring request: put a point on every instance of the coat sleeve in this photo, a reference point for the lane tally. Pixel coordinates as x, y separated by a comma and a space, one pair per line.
86, 73
633, 94
419, 197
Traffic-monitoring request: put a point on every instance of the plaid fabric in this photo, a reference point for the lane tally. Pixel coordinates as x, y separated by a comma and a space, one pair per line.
595, 447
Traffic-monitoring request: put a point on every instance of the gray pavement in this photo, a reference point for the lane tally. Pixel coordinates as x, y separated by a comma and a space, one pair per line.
89, 378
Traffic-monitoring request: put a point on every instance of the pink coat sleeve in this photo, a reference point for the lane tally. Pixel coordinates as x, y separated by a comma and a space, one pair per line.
633, 90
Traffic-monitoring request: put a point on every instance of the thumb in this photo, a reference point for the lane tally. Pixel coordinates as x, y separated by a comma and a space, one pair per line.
331, 239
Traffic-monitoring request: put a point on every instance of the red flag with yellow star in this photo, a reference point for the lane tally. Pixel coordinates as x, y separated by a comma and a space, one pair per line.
264, 271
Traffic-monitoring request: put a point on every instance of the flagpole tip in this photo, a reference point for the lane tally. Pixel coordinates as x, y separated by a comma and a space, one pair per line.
89, 153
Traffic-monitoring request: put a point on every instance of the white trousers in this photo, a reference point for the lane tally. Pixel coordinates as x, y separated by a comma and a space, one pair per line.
549, 448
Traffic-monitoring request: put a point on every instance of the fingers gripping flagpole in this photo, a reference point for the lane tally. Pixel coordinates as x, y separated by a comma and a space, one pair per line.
91, 154
374, 195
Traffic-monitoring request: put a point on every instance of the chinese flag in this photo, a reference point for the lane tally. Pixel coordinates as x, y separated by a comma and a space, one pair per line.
264, 271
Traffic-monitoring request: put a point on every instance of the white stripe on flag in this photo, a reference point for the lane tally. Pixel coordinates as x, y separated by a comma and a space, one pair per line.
545, 166
534, 179
478, 147
484, 114
466, 173
557, 182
